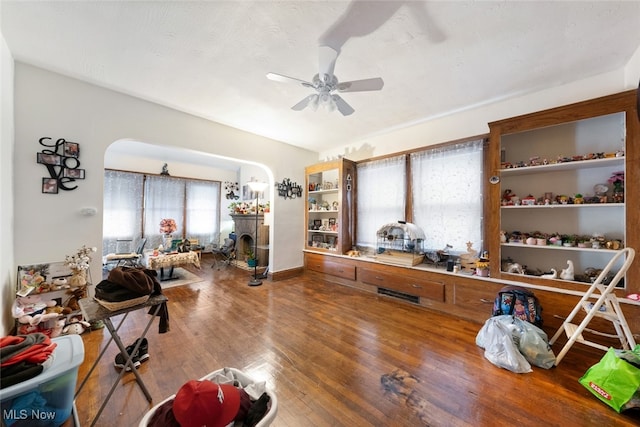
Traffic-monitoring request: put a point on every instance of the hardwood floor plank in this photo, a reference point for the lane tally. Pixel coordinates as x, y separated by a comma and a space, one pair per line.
337, 356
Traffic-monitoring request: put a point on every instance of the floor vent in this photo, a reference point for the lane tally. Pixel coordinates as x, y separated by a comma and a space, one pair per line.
401, 295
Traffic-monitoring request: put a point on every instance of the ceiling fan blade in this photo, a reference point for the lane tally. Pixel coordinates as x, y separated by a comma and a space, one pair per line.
313, 99
286, 79
342, 105
361, 85
327, 61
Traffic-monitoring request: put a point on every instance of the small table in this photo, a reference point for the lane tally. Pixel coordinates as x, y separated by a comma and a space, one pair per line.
171, 260
93, 311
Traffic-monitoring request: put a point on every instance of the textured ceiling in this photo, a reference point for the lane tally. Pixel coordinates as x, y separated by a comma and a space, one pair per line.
209, 58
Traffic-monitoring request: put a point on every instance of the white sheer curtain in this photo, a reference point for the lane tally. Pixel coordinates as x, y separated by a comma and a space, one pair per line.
447, 195
203, 211
381, 196
135, 203
122, 219
163, 198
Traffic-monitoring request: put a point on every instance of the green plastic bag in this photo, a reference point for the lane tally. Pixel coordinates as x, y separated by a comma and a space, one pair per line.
612, 380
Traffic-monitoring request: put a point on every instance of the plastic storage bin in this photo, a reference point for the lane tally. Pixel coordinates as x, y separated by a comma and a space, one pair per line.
46, 400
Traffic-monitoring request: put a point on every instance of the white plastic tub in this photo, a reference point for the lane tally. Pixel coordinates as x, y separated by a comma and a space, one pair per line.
46, 400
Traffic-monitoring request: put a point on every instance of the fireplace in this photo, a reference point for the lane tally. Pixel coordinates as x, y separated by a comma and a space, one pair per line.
245, 229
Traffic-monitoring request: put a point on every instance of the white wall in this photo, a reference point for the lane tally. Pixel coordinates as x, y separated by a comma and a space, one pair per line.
474, 120
48, 104
7, 265
632, 70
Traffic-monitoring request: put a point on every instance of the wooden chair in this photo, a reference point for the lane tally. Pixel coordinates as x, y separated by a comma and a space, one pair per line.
606, 307
195, 247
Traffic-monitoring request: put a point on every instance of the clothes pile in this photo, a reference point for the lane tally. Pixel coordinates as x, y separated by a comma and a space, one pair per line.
23, 357
127, 283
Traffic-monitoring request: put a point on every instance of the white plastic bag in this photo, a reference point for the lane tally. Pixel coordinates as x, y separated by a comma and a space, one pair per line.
533, 343
496, 337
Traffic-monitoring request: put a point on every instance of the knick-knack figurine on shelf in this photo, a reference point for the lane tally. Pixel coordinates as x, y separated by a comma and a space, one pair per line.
567, 273
617, 179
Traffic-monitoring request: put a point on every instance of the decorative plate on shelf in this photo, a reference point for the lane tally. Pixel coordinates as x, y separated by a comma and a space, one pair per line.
600, 189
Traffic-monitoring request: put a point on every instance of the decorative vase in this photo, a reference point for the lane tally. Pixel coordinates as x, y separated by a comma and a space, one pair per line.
252, 262
482, 272
167, 239
78, 278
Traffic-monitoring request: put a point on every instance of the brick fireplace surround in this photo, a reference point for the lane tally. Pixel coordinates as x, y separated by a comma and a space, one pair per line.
245, 229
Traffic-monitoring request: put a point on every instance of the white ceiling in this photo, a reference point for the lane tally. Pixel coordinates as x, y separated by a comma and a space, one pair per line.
209, 58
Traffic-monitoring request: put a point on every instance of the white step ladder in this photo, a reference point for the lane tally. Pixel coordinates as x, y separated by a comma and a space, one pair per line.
606, 307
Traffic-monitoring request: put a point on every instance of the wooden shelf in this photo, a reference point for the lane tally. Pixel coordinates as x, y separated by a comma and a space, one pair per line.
558, 248
565, 166
560, 206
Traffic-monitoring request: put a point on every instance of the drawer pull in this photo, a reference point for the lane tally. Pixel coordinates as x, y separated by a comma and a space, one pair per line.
486, 301
416, 286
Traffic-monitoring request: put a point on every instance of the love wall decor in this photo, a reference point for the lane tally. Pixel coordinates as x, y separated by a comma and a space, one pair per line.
61, 159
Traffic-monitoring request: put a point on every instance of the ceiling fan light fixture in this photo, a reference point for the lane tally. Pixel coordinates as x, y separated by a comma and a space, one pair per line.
325, 83
315, 102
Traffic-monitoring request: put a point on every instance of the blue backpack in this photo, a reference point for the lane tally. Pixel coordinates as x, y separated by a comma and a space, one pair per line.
519, 302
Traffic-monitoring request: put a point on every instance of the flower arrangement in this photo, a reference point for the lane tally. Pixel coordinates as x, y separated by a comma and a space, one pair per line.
168, 226
246, 208
79, 265
80, 261
617, 179
482, 264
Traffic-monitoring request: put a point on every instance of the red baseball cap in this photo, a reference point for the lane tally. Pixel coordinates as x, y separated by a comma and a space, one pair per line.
205, 403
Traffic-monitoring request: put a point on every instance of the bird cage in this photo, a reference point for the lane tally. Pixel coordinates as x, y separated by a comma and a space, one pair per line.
400, 243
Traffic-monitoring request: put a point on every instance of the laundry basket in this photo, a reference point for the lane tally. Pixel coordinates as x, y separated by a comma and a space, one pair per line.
244, 380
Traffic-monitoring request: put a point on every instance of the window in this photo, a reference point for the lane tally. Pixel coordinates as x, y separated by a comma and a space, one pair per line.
381, 196
122, 219
163, 198
447, 195
135, 203
202, 211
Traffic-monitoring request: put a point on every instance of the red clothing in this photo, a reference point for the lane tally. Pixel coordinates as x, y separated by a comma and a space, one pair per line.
35, 353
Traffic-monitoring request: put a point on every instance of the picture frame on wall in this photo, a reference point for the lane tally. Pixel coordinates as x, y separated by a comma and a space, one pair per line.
49, 159
71, 149
73, 173
49, 185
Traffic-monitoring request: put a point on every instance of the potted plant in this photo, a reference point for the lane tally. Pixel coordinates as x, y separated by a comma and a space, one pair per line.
578, 199
569, 239
583, 241
482, 268
556, 239
251, 258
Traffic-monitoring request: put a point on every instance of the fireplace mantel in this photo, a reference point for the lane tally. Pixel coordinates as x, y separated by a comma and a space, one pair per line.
245, 229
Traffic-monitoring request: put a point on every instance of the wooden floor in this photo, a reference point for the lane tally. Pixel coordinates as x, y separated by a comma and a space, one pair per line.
337, 356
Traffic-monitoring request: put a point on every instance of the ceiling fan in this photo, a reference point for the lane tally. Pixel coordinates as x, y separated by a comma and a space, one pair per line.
325, 83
